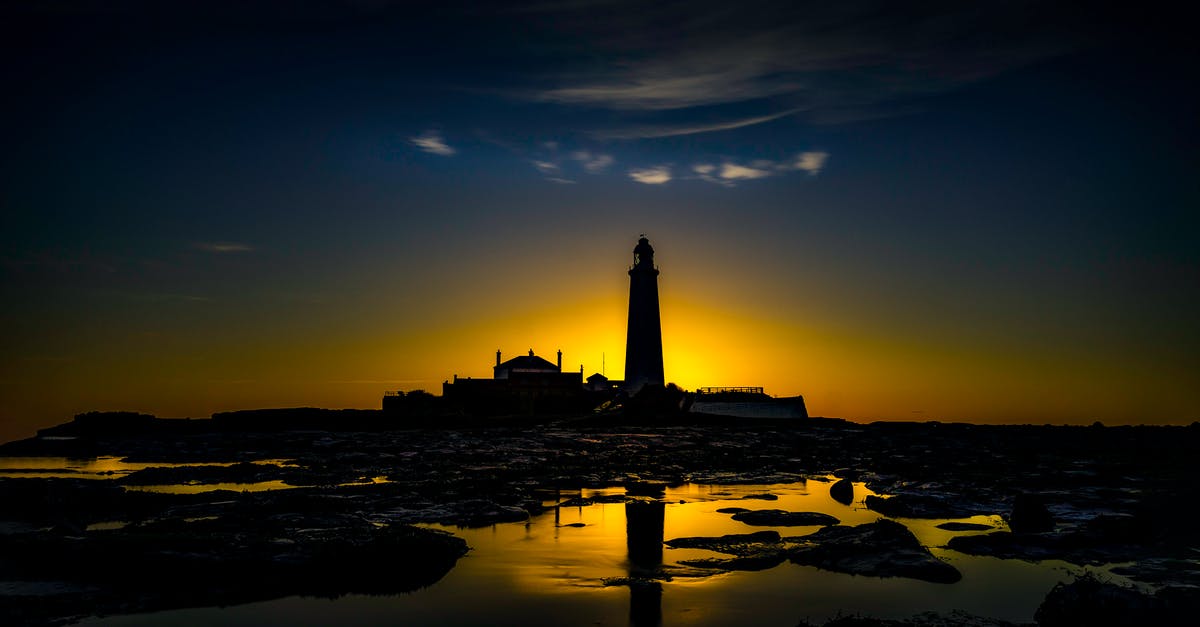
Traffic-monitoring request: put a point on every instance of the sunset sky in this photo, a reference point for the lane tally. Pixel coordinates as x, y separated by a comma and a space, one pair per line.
968, 211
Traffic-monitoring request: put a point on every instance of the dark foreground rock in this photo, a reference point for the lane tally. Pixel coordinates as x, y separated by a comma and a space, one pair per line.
922, 506
842, 491
237, 558
954, 618
1090, 601
1029, 514
883, 548
781, 518
964, 526
752, 551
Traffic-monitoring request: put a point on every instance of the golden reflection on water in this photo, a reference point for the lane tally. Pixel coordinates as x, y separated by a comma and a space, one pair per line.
105, 467
547, 571
552, 555
197, 488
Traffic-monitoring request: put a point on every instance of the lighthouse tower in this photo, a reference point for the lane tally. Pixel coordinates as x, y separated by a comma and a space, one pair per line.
643, 342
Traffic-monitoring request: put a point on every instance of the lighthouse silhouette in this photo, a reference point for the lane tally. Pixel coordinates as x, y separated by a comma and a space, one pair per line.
643, 342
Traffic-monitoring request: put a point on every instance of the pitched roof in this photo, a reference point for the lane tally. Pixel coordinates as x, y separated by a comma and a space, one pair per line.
527, 362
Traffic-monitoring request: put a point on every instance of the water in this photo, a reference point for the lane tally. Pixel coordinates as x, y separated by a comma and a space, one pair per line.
109, 467
545, 572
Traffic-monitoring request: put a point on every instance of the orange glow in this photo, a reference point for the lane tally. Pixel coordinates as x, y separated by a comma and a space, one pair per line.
723, 324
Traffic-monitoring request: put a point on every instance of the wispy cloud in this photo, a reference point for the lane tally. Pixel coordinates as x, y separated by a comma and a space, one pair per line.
734, 172
431, 141
592, 163
833, 61
546, 167
651, 132
730, 173
223, 247
811, 162
656, 175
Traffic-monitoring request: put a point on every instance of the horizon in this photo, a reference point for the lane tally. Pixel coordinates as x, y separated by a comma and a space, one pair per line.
916, 215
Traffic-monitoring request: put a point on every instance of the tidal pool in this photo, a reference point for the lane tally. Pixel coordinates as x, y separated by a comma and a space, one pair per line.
552, 570
109, 467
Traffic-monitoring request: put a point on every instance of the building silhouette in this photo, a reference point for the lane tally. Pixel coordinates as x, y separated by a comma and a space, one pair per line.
643, 341
526, 384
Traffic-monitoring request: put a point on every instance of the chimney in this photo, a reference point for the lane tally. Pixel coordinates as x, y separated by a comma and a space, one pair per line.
560, 360
497, 357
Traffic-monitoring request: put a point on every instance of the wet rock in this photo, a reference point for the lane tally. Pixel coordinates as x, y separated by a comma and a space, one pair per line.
732, 510
842, 491
761, 497
1076, 548
919, 506
1163, 571
1090, 601
752, 562
782, 518
964, 526
883, 548
645, 488
1029, 515
732, 544
233, 559
752, 551
953, 618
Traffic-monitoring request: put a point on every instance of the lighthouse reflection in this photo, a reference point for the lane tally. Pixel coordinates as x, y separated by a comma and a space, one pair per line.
644, 541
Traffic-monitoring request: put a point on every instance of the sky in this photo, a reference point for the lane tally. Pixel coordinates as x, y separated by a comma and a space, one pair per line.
957, 211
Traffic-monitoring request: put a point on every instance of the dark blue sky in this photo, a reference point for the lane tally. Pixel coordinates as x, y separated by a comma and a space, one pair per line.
985, 176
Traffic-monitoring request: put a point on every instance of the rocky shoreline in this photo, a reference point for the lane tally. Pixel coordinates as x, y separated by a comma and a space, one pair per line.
1093, 495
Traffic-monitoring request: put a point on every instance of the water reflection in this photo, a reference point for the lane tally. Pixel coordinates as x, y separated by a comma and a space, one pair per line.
644, 540
552, 569
104, 467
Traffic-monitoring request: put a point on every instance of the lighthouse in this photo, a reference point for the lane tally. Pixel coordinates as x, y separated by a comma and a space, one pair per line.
643, 341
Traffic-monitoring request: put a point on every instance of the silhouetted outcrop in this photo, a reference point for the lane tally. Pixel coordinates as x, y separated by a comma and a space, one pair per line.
842, 491
883, 548
1090, 601
1029, 515
781, 518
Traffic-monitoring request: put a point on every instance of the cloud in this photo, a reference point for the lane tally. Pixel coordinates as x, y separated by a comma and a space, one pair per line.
560, 180
545, 167
656, 175
651, 132
223, 247
729, 173
593, 163
734, 172
812, 162
431, 141
834, 61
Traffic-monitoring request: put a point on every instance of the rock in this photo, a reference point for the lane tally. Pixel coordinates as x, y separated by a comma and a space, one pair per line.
645, 488
918, 506
1077, 548
228, 560
963, 526
842, 491
781, 518
883, 548
732, 510
752, 551
732, 544
753, 562
1029, 515
1089, 601
761, 497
